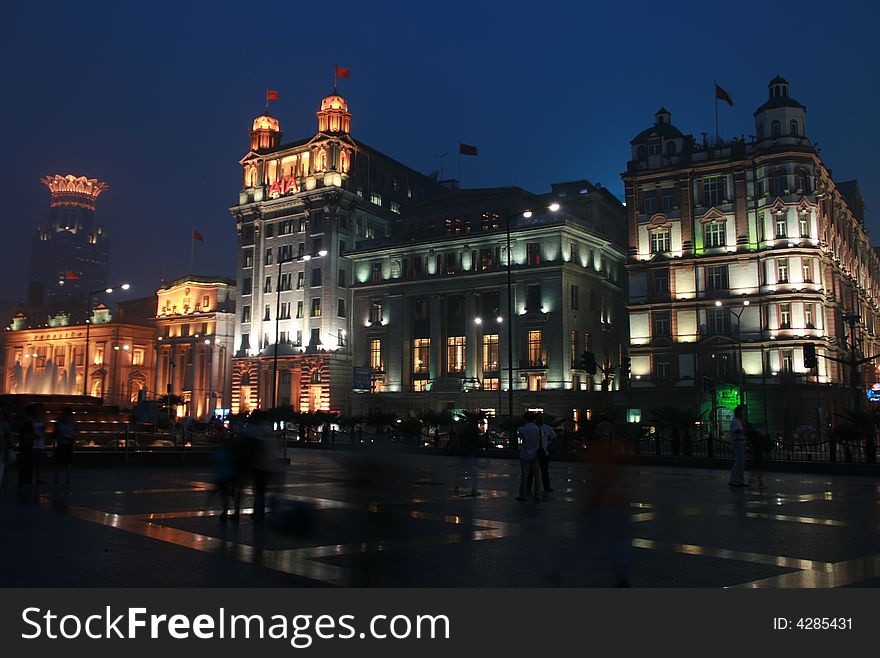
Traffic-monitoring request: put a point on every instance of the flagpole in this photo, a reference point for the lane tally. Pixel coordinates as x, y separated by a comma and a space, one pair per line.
459, 163
192, 250
715, 93
335, 71
267, 100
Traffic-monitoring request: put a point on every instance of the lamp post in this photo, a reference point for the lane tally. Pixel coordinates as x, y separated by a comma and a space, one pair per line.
738, 317
122, 286
553, 207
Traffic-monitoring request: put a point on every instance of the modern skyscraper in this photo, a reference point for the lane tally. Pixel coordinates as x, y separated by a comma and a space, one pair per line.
69, 252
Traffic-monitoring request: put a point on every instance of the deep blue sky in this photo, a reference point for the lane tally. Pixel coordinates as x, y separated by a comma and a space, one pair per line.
157, 98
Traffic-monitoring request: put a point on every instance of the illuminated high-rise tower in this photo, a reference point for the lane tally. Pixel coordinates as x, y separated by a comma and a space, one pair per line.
69, 252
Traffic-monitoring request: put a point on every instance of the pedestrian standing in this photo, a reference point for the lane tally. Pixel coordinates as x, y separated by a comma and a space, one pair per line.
65, 430
468, 449
737, 446
547, 437
530, 470
7, 454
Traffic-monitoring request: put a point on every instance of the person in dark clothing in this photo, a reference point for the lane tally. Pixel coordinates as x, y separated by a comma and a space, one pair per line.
65, 430
469, 445
26, 437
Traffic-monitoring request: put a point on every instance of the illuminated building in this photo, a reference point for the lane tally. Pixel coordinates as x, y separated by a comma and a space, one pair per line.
69, 252
302, 205
195, 326
741, 253
49, 360
430, 303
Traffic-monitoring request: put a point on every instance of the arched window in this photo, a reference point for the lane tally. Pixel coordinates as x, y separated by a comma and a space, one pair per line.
343, 161
641, 152
670, 149
793, 128
777, 182
803, 181
774, 129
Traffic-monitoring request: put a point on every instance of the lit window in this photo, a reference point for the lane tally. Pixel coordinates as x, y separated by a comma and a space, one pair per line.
491, 384
809, 322
782, 270
376, 198
316, 307
455, 354
804, 225
376, 355
421, 355
787, 359
807, 268
785, 316
781, 227
659, 241
536, 348
490, 353
715, 234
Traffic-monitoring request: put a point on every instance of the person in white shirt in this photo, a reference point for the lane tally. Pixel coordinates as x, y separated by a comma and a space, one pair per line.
530, 470
737, 446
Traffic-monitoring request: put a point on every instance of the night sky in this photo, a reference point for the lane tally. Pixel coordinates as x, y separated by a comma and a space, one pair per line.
157, 99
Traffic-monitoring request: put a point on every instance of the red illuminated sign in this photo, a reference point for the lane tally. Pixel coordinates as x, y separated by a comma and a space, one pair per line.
286, 185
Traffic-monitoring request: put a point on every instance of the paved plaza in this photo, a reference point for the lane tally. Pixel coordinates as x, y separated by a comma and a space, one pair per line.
356, 519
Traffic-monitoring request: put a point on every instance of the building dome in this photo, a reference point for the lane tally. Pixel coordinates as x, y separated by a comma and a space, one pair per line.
334, 102
266, 122
334, 117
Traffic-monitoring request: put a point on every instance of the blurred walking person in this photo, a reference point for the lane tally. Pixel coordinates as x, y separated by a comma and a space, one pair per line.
39, 425
738, 446
529, 467
469, 445
26, 438
547, 438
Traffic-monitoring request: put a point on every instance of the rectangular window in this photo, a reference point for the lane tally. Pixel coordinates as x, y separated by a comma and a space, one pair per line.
267, 284
285, 227
455, 354
286, 279
340, 308
395, 207
301, 250
316, 277
785, 316
659, 241
786, 357
60, 357
376, 198
716, 277
804, 225
247, 258
421, 355
649, 201
137, 357
267, 313
661, 323
809, 321
668, 198
285, 253
184, 329
375, 312
781, 270
660, 279
575, 253
316, 307
536, 348
450, 262
299, 309
302, 225
715, 234
268, 259
491, 384
421, 309
781, 226
376, 272
807, 268
536, 382
533, 253
490, 353
270, 230
574, 298
533, 299
573, 348
376, 355
341, 279
420, 385
246, 286
300, 279
245, 315
718, 321
662, 369
285, 311
713, 190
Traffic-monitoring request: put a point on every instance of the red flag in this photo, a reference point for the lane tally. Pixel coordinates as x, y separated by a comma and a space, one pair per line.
272, 95
467, 149
342, 72
722, 95
71, 276
197, 235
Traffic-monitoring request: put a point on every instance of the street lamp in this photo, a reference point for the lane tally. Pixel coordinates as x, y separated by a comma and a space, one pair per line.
122, 286
553, 207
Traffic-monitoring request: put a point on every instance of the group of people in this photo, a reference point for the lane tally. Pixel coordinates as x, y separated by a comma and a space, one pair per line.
249, 457
30, 429
536, 440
